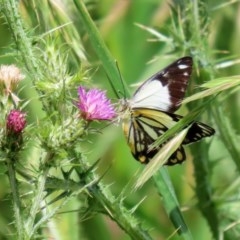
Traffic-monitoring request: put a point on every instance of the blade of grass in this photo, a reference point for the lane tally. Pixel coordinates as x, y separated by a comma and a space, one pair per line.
213, 87
100, 47
170, 202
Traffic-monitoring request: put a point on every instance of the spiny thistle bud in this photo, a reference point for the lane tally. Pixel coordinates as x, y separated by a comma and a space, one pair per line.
16, 121
10, 76
94, 105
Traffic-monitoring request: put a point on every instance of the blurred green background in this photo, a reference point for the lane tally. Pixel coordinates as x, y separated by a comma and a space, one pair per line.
138, 55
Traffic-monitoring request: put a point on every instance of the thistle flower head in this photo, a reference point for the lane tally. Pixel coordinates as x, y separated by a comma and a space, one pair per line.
16, 121
94, 105
10, 76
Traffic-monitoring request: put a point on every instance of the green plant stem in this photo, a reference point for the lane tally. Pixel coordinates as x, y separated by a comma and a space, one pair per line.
9, 9
101, 197
225, 135
104, 202
16, 198
196, 22
36, 202
200, 49
204, 190
116, 211
170, 202
23, 43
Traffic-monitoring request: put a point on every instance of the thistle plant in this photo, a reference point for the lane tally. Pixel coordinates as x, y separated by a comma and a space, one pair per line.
64, 172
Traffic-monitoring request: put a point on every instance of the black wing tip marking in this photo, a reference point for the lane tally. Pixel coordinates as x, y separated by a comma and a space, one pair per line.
176, 76
197, 131
185, 58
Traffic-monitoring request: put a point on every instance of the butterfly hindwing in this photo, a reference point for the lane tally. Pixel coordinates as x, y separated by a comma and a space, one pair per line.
165, 90
143, 129
146, 125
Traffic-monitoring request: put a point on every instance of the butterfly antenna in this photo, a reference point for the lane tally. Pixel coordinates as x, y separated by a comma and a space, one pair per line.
122, 82
113, 88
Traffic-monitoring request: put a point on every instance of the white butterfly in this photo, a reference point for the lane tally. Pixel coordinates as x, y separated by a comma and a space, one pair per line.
150, 112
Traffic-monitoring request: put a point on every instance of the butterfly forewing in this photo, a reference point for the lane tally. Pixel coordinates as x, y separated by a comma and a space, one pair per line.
165, 90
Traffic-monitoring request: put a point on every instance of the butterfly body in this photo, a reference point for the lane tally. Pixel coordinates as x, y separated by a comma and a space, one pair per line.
150, 113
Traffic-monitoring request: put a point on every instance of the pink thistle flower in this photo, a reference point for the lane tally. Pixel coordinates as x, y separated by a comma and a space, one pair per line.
94, 105
16, 121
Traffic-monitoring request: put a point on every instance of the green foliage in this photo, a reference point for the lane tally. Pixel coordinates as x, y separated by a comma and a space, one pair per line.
65, 177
